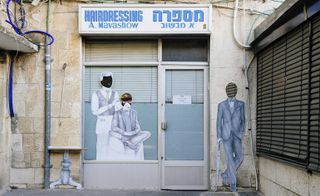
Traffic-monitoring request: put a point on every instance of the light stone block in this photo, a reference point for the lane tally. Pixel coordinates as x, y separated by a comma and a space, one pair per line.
56, 93
56, 159
22, 175
64, 39
38, 142
59, 140
35, 102
265, 167
55, 109
246, 144
36, 73
57, 78
27, 159
55, 174
37, 159
74, 41
71, 93
269, 188
314, 181
21, 75
38, 125
299, 181
247, 163
25, 125
69, 24
76, 110
27, 140
73, 73
283, 176
38, 175
68, 6
16, 142
19, 106
74, 140
66, 110
69, 125
244, 178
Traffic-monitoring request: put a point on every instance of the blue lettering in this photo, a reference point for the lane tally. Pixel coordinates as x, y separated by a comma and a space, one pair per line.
157, 16
126, 16
115, 15
198, 16
100, 16
140, 16
168, 13
117, 25
91, 25
178, 15
187, 16
87, 16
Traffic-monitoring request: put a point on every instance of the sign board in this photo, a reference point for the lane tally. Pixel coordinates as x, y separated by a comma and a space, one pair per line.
181, 99
144, 19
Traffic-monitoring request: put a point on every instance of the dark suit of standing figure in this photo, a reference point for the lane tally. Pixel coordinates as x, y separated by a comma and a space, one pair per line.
230, 129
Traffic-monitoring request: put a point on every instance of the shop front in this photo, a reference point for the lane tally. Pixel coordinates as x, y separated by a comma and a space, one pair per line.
159, 54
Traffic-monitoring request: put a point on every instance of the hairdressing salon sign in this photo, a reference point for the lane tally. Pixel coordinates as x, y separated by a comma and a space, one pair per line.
144, 19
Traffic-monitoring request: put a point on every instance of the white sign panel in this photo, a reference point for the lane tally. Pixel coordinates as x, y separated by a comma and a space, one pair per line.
144, 19
181, 99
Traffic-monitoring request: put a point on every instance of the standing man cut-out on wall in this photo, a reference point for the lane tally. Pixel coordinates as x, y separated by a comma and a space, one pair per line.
230, 130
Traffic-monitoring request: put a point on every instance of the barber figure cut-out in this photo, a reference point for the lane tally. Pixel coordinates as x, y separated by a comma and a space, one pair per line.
230, 130
103, 105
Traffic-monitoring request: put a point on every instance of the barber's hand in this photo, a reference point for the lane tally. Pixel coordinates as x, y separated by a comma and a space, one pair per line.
220, 140
110, 106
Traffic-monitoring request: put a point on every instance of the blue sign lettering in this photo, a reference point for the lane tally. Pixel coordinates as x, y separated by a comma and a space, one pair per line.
178, 15
113, 16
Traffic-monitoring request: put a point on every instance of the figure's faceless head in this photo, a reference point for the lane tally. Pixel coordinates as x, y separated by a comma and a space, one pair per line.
106, 81
126, 101
231, 90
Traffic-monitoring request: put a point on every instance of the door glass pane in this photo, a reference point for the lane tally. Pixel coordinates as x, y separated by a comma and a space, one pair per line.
185, 49
142, 84
184, 115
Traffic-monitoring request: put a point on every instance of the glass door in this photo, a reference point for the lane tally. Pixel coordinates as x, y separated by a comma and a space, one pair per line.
184, 111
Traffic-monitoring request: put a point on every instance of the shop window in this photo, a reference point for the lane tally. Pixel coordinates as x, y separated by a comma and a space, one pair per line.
141, 83
185, 50
140, 80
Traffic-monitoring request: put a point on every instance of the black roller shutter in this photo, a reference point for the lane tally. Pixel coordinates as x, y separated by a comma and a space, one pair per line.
283, 98
314, 138
288, 93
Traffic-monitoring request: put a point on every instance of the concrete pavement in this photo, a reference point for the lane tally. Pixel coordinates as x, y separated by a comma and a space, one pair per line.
73, 192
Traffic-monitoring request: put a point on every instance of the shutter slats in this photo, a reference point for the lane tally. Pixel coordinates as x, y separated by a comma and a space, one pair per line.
314, 161
282, 102
121, 51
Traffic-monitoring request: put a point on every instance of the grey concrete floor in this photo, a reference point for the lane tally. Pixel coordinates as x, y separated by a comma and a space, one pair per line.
72, 192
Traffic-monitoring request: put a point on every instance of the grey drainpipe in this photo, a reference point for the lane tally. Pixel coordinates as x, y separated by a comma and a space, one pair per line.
48, 103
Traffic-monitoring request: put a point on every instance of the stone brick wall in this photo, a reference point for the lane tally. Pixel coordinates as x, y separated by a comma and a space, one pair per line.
277, 178
4, 128
227, 65
27, 131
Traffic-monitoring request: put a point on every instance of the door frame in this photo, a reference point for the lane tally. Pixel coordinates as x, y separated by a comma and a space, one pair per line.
161, 118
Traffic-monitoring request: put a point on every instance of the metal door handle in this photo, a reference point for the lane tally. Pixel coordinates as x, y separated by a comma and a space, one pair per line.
164, 125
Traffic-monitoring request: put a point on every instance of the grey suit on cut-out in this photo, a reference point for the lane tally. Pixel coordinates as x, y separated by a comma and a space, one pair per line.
230, 127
